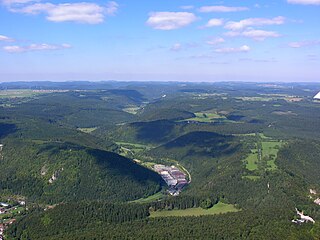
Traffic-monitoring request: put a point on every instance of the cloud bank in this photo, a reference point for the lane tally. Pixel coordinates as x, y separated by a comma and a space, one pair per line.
222, 9
5, 39
258, 35
305, 2
170, 20
214, 22
241, 49
250, 22
304, 44
34, 47
83, 12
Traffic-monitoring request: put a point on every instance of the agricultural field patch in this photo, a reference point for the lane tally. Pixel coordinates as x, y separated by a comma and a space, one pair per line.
132, 110
23, 93
130, 149
270, 151
206, 117
252, 160
263, 156
219, 208
87, 130
251, 177
155, 197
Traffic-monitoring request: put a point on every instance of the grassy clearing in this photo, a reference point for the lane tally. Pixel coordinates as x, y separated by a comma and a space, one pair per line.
219, 208
270, 151
245, 135
131, 110
12, 213
206, 117
155, 197
87, 130
21, 93
133, 147
261, 135
251, 177
270, 148
256, 99
252, 160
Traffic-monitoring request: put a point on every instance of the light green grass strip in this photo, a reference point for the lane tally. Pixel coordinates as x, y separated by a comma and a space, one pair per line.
219, 208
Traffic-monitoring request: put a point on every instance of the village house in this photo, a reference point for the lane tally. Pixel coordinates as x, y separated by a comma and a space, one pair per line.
1, 231
5, 205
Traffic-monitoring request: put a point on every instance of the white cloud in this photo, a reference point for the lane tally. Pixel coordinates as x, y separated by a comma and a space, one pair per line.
258, 35
241, 49
208, 9
304, 44
112, 8
305, 2
254, 22
83, 12
176, 47
188, 7
214, 22
170, 20
5, 39
215, 41
179, 46
17, 2
34, 47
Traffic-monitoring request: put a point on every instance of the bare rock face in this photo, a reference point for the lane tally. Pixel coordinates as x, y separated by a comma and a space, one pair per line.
1, 148
44, 170
55, 175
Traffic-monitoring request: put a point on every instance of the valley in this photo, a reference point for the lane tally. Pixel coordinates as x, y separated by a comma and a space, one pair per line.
121, 157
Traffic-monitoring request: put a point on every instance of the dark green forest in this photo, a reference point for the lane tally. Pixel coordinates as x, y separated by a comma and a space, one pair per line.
81, 155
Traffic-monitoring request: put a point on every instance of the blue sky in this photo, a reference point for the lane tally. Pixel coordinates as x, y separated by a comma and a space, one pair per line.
168, 40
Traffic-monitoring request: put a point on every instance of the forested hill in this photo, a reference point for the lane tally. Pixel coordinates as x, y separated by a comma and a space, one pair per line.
59, 172
250, 150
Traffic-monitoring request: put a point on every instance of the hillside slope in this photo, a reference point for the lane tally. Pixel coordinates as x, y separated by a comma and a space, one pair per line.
56, 172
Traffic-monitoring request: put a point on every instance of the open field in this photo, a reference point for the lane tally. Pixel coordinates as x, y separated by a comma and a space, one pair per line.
252, 160
17, 93
133, 147
155, 197
270, 151
24, 93
256, 99
12, 213
219, 208
87, 130
131, 110
251, 177
206, 117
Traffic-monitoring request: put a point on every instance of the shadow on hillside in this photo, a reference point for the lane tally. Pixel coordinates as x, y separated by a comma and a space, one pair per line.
121, 166
156, 131
6, 129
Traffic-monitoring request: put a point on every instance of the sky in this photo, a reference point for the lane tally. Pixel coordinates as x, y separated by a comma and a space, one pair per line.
167, 40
